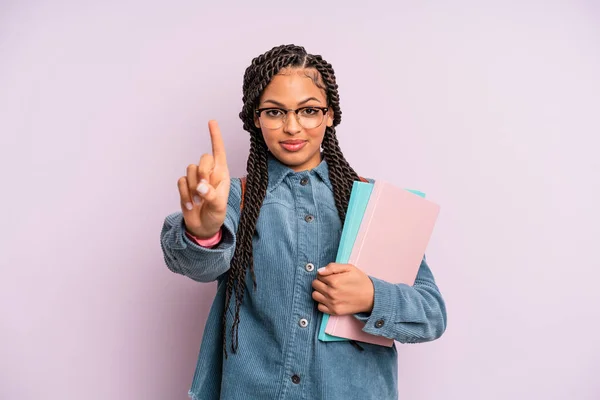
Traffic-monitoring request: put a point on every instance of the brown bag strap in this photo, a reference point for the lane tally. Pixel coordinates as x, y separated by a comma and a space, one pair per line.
243, 182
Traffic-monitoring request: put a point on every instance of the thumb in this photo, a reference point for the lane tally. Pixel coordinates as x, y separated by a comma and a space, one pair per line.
333, 268
206, 190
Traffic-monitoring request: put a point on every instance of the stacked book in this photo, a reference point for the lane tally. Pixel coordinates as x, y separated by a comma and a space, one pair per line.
385, 235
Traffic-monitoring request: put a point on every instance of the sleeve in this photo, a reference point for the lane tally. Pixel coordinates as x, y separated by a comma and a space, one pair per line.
184, 256
408, 314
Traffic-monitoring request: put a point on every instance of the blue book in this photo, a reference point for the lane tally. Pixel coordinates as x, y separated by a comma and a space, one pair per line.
359, 199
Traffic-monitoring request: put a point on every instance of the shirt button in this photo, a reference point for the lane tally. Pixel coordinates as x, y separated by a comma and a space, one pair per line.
304, 181
303, 323
309, 218
310, 267
379, 323
296, 379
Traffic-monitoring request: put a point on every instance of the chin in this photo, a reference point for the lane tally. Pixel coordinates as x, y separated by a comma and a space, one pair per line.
292, 159
296, 160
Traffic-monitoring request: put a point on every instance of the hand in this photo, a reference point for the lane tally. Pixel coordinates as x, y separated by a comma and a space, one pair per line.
342, 289
205, 190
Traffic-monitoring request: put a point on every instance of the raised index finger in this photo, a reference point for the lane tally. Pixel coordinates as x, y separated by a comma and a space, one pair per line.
218, 147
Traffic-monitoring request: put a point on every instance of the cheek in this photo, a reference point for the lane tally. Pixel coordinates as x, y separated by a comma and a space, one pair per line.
316, 135
271, 137
267, 136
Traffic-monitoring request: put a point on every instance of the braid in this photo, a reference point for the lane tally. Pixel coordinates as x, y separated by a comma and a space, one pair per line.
256, 188
341, 174
256, 78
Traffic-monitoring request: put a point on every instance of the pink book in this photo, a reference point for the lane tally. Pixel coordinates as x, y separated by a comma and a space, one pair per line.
390, 244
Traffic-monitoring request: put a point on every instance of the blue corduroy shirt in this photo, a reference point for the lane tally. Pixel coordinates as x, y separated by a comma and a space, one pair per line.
280, 357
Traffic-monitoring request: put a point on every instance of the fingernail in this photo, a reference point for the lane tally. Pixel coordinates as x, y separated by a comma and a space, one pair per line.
197, 200
189, 206
202, 188
322, 269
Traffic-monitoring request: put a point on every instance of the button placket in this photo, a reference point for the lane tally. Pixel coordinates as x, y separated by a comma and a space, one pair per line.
297, 360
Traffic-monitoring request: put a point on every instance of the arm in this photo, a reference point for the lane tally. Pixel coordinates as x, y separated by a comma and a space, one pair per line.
184, 256
408, 314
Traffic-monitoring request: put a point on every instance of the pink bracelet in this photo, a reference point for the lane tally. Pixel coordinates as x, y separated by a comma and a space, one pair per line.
210, 242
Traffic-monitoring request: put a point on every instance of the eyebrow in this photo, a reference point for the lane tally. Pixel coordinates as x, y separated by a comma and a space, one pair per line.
301, 103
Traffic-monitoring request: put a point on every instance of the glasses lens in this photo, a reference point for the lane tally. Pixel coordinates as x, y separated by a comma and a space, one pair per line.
310, 118
272, 119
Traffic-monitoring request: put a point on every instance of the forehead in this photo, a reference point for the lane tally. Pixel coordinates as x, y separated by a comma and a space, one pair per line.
291, 86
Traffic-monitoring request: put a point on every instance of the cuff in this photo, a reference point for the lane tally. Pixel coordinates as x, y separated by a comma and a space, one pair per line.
380, 321
227, 241
210, 242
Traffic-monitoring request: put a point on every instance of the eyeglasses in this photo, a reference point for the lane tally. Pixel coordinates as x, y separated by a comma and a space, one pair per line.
307, 117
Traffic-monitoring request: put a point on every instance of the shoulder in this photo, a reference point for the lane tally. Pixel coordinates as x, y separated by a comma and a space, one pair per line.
235, 190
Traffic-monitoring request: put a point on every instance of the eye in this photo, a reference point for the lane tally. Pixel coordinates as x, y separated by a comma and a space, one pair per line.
310, 111
273, 113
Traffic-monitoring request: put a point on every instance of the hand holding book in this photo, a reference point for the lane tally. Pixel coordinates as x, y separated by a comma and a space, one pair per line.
342, 289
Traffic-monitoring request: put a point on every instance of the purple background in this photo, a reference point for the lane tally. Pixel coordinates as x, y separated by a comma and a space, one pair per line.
492, 108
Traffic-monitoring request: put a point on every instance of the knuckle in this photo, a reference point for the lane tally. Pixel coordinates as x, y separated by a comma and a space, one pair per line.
203, 168
334, 298
206, 158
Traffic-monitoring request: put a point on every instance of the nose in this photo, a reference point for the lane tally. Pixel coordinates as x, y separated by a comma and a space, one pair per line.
291, 124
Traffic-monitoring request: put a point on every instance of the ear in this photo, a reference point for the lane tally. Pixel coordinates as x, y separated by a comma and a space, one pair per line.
256, 121
330, 118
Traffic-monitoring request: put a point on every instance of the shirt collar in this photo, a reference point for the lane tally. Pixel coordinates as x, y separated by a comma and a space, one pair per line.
278, 172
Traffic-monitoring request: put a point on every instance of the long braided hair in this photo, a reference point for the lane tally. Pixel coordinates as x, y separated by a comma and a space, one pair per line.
256, 78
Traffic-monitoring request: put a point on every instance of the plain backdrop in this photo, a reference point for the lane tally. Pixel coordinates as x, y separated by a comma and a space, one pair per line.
492, 108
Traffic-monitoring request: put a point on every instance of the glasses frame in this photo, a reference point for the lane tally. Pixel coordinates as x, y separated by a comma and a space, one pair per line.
324, 110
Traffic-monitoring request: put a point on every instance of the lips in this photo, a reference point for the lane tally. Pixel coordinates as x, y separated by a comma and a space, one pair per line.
294, 141
293, 145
